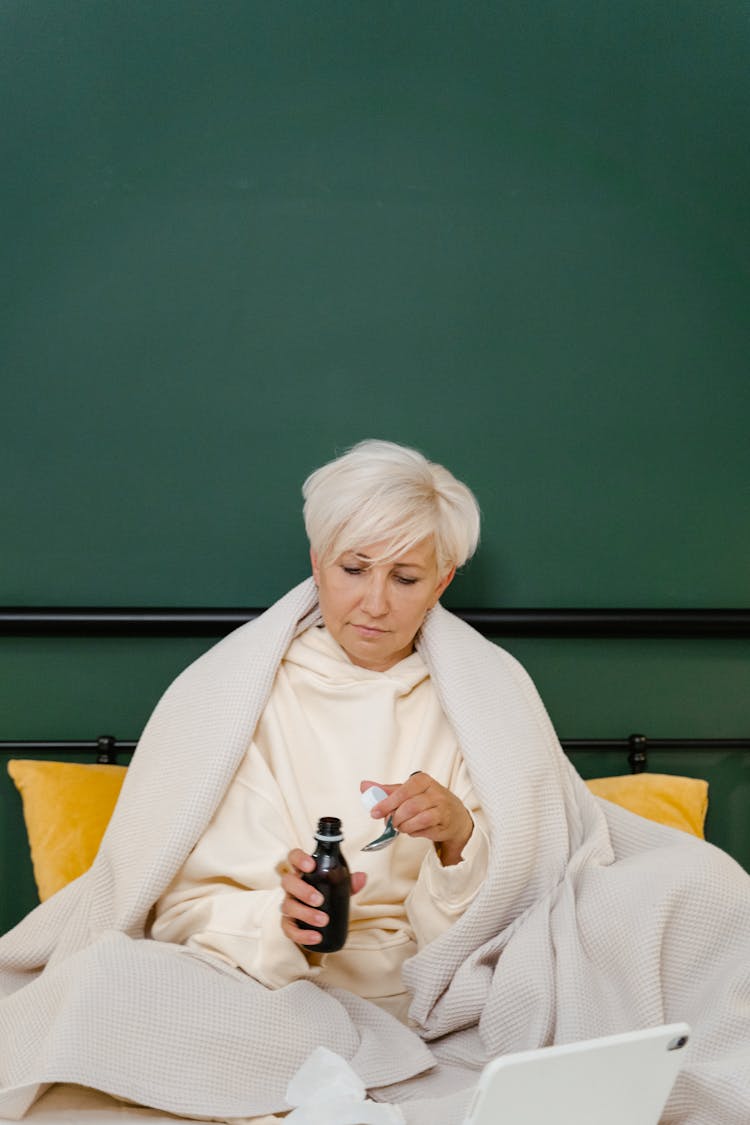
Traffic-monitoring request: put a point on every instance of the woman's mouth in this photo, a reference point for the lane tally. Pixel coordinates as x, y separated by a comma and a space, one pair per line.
369, 631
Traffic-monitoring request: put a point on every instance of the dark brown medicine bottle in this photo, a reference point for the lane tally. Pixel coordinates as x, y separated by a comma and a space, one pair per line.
331, 878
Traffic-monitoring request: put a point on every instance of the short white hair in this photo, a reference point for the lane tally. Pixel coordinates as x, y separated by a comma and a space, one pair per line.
380, 492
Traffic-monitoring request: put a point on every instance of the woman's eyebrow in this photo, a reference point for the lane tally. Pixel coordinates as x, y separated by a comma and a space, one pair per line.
396, 562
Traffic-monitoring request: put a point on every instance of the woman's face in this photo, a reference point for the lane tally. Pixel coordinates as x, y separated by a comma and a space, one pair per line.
375, 610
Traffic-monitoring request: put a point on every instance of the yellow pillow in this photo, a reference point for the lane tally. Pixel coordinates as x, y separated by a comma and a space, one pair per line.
66, 807
679, 802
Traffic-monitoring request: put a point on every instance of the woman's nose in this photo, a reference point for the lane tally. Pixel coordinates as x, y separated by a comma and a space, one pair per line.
374, 600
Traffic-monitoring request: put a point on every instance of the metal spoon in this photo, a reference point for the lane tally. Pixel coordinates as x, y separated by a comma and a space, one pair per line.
370, 798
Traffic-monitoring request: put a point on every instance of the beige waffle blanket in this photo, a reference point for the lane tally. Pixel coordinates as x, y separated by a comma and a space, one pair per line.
591, 921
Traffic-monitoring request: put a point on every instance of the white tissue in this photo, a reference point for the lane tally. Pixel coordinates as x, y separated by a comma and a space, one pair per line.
326, 1091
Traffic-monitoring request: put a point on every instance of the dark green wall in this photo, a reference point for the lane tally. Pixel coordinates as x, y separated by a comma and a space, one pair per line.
239, 236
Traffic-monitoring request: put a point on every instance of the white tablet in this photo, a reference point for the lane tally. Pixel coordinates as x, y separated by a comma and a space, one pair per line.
617, 1080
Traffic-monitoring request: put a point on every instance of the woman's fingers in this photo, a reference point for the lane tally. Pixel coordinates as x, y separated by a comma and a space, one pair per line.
397, 794
417, 794
300, 906
369, 784
300, 860
358, 881
422, 807
299, 936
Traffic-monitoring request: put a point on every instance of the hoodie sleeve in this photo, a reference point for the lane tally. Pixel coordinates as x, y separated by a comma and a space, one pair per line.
226, 899
441, 894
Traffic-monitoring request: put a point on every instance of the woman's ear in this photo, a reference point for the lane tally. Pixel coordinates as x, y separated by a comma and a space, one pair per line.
315, 567
443, 584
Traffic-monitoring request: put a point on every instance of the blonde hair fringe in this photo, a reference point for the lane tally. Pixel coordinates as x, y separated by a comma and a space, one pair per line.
381, 492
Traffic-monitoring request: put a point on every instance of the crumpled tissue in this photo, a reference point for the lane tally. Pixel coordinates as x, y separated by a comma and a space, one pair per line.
326, 1091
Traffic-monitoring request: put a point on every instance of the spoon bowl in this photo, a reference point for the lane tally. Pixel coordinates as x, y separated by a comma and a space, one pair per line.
387, 837
370, 798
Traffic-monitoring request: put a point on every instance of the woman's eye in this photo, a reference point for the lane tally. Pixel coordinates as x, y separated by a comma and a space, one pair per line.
405, 581
352, 569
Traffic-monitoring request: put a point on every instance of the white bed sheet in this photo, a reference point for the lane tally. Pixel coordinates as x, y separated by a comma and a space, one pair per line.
65, 1103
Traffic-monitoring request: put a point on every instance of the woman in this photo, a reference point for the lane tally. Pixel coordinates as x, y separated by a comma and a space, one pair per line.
352, 704
515, 910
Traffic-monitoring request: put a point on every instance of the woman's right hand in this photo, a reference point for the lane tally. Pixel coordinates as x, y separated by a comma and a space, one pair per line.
299, 907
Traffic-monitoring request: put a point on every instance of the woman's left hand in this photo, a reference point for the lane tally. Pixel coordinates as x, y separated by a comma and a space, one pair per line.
422, 807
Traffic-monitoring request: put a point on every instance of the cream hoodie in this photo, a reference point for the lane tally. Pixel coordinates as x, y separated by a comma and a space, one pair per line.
328, 725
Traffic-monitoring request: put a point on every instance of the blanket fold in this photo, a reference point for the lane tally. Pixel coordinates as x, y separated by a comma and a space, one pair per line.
591, 921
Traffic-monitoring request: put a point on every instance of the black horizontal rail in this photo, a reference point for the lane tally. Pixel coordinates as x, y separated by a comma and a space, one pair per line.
107, 747
644, 623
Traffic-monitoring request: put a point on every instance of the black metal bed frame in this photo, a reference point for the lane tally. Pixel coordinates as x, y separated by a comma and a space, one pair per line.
559, 623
